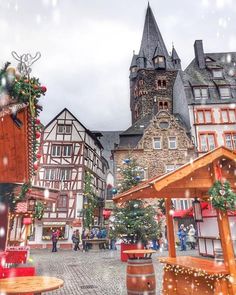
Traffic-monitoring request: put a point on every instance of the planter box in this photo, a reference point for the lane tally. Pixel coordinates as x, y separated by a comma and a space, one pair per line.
123, 247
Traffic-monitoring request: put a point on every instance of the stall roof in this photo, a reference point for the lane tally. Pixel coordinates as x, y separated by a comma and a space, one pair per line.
41, 193
190, 180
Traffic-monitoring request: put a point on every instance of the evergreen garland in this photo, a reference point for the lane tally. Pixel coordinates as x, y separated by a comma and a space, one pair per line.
39, 210
92, 201
222, 196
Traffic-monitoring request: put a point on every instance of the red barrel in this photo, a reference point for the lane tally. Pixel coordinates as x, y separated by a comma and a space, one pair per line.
140, 277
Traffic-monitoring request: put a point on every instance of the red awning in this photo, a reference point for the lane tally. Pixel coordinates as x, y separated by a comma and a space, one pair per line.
189, 212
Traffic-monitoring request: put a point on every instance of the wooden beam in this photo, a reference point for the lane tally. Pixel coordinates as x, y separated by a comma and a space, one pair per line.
170, 229
227, 247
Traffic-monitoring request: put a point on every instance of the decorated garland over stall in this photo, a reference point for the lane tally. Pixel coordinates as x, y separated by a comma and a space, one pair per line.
222, 196
18, 88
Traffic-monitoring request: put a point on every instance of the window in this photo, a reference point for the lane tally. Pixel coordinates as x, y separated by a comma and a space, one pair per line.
65, 174
207, 142
164, 125
67, 150
225, 92
163, 105
184, 204
200, 93
204, 116
62, 203
133, 69
50, 174
56, 150
217, 73
172, 143
159, 61
157, 143
161, 84
230, 140
64, 129
48, 207
228, 115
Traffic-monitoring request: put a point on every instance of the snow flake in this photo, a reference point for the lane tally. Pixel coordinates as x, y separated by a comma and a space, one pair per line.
2, 207
2, 232
5, 161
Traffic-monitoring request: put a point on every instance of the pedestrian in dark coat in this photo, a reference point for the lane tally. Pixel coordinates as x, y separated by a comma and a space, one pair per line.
54, 241
76, 240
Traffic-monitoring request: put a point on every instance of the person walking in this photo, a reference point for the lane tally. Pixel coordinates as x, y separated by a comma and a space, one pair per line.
191, 237
54, 241
182, 237
84, 238
76, 239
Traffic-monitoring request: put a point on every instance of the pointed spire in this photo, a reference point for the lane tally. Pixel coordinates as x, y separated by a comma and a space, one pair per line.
175, 59
134, 60
174, 54
151, 39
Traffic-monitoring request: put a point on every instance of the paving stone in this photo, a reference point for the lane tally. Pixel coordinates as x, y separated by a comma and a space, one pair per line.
89, 273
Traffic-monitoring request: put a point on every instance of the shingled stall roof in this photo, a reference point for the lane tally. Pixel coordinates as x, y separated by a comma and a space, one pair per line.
16, 145
40, 193
190, 180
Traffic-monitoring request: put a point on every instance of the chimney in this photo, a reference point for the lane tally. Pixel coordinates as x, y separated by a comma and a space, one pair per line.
199, 54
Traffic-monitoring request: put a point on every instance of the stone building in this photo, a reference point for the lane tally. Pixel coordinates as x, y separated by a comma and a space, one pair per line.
159, 137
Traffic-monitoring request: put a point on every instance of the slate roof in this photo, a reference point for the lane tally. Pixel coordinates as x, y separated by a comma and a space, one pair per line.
152, 42
108, 141
131, 136
193, 76
174, 54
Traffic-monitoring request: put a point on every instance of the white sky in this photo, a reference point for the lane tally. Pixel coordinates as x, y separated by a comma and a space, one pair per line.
87, 46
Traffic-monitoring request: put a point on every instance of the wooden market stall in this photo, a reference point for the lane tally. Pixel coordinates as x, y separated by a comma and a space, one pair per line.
191, 275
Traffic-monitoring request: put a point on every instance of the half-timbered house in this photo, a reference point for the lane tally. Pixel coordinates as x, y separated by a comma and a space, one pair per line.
69, 149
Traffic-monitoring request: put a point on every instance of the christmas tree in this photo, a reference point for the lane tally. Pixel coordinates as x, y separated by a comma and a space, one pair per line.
92, 201
134, 221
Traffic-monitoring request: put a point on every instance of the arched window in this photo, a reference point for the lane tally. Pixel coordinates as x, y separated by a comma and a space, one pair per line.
160, 105
166, 105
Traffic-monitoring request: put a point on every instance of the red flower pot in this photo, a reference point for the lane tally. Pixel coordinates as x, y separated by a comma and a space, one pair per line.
123, 247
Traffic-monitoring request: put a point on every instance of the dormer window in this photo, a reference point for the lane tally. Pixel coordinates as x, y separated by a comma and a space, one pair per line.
217, 73
159, 62
133, 69
200, 93
225, 92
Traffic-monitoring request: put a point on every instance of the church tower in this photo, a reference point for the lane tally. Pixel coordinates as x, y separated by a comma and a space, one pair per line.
152, 73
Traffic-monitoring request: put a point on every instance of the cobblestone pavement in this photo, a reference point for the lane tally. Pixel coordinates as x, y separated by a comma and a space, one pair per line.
95, 273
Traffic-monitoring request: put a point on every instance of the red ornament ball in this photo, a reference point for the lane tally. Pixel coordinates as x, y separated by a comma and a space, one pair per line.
37, 134
36, 165
38, 156
37, 121
44, 89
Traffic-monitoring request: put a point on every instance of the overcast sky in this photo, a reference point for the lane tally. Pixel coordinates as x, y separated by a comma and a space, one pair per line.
87, 46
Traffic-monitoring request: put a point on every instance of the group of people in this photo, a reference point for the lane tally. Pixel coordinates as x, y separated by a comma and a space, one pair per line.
187, 235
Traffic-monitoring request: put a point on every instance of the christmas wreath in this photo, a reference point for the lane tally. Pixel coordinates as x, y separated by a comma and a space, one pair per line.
222, 196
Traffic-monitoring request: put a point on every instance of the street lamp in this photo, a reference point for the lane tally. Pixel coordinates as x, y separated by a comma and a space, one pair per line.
197, 210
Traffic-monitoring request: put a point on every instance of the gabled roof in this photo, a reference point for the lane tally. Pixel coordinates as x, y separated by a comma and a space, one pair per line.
151, 39
190, 180
93, 135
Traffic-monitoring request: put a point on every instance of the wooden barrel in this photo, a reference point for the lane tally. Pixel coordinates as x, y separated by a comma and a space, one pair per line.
140, 277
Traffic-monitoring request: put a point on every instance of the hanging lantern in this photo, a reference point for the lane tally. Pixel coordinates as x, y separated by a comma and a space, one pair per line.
31, 204
85, 202
197, 210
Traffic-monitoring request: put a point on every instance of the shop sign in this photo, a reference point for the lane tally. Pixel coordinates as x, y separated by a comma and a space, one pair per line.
54, 223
